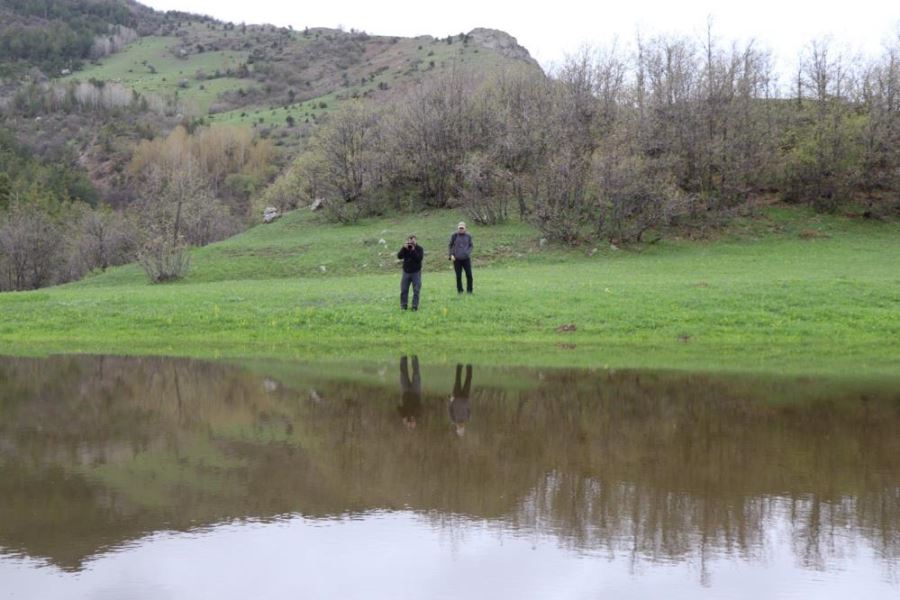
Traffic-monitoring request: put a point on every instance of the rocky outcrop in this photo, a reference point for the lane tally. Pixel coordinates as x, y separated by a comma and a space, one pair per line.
501, 42
270, 214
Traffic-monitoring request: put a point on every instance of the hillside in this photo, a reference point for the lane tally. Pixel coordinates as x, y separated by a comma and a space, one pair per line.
144, 72
47, 37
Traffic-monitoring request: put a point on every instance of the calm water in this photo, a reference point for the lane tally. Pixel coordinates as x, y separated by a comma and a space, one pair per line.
162, 478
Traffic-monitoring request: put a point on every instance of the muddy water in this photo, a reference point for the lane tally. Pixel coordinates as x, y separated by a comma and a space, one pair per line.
166, 478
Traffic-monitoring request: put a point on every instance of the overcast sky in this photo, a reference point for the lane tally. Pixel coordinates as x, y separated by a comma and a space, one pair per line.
550, 30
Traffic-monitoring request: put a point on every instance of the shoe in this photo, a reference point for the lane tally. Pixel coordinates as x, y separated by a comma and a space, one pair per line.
415, 308
402, 308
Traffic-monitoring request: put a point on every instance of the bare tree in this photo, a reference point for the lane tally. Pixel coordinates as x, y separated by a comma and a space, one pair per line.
880, 101
821, 166
434, 135
101, 238
350, 143
522, 104
29, 247
566, 196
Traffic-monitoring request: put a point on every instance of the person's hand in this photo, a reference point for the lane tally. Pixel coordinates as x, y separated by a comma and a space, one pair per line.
453, 258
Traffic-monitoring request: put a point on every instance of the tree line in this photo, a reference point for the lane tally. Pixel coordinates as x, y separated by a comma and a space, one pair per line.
62, 33
618, 142
190, 188
51, 228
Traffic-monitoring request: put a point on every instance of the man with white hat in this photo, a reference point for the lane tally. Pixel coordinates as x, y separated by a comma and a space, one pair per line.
460, 252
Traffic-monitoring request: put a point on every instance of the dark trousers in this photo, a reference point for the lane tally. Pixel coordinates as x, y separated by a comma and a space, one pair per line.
460, 389
410, 278
459, 406
458, 265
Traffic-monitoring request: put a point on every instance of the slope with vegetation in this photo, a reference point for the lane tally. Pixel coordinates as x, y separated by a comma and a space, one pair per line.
186, 133
141, 112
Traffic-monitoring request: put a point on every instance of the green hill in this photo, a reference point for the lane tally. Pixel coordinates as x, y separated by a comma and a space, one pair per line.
152, 71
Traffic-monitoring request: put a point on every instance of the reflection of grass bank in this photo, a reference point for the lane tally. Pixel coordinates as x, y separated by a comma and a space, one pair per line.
110, 449
151, 478
770, 297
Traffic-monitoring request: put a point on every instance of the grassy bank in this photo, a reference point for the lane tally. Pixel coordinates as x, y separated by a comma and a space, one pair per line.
787, 292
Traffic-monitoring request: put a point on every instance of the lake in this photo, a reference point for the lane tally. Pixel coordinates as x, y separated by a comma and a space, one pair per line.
163, 478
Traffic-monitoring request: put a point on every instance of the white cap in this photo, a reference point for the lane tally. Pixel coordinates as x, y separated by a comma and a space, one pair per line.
461, 224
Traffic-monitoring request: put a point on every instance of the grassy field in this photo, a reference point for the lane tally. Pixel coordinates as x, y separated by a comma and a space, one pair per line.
788, 292
150, 67
306, 111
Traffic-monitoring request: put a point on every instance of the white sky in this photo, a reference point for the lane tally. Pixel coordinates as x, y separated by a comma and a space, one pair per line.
550, 30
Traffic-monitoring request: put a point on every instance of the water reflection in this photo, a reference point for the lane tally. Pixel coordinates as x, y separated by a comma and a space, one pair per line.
459, 400
653, 467
410, 407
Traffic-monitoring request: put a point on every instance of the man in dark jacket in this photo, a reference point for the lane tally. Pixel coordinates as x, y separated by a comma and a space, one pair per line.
411, 254
460, 252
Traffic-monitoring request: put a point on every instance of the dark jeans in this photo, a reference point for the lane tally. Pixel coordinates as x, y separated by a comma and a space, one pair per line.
458, 265
416, 280
459, 406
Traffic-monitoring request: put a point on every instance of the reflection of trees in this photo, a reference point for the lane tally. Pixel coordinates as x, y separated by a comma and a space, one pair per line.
660, 466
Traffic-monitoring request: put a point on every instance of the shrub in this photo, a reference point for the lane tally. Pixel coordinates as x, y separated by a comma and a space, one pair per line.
635, 196
485, 192
338, 211
163, 260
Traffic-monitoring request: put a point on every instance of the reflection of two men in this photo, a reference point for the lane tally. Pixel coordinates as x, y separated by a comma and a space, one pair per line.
459, 401
410, 408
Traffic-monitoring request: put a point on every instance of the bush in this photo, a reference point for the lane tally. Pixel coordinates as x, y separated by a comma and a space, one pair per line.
486, 192
29, 247
634, 197
163, 260
99, 238
340, 211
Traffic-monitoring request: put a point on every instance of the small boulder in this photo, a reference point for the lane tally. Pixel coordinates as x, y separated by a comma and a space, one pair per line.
270, 214
566, 328
317, 204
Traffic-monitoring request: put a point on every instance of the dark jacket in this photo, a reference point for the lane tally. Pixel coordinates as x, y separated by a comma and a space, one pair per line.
412, 259
460, 245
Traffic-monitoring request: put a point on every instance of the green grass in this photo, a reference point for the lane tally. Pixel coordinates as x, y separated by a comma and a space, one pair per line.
261, 115
131, 67
791, 292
